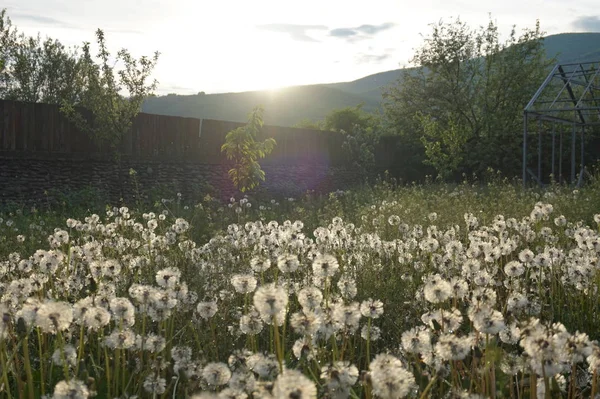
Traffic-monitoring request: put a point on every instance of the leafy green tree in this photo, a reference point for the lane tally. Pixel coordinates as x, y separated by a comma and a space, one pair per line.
464, 103
36, 70
310, 124
347, 119
99, 98
242, 148
113, 99
361, 132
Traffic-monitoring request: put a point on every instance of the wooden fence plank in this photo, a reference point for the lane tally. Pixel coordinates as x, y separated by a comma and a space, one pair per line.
42, 128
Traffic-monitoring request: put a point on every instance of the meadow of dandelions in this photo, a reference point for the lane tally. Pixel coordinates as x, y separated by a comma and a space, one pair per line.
125, 304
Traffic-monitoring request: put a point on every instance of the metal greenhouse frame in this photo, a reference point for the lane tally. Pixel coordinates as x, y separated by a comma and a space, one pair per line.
570, 95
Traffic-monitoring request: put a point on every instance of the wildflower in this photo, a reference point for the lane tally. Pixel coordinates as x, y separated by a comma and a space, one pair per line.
168, 278
287, 263
371, 308
310, 298
305, 323
304, 347
339, 378
416, 340
28, 313
243, 283
325, 265
514, 269
122, 311
265, 366
489, 321
347, 287
70, 355
510, 334
451, 347
460, 287
120, 339
526, 256
259, 264
96, 318
293, 384
54, 316
372, 334
389, 377
216, 374
155, 385
394, 220
155, 343
242, 381
347, 316
251, 323
206, 310
270, 300
110, 268
181, 354
437, 289
74, 389
237, 359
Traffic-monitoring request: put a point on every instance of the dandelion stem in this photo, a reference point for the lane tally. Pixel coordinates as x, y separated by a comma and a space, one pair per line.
428, 387
80, 352
41, 353
107, 368
594, 382
278, 344
368, 342
30, 390
116, 368
61, 342
4, 368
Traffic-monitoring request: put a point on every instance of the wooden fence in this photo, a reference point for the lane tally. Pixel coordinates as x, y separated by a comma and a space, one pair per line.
40, 130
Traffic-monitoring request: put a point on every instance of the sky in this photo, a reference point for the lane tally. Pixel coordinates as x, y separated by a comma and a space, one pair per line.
238, 45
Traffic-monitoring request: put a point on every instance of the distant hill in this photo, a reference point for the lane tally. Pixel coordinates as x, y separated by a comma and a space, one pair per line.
286, 107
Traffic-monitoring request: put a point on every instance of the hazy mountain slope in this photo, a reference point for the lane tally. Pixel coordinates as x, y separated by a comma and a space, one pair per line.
283, 107
289, 106
573, 47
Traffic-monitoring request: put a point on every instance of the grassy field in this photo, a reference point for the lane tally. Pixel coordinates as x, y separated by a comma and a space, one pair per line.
474, 290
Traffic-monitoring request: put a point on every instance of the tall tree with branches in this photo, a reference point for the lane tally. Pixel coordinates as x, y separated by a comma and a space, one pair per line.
464, 101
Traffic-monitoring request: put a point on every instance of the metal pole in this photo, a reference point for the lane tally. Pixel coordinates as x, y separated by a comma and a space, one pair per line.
582, 149
560, 156
524, 149
553, 147
573, 155
539, 171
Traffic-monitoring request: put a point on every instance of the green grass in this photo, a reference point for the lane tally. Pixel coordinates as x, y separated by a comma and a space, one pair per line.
393, 243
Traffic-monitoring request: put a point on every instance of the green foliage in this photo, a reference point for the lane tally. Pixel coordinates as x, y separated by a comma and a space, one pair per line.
361, 132
112, 111
469, 93
242, 148
36, 70
101, 98
310, 124
443, 148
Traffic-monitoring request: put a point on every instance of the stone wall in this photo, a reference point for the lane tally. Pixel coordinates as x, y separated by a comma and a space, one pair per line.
36, 179
42, 153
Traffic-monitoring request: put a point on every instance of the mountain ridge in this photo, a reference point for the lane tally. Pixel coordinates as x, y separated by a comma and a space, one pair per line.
290, 105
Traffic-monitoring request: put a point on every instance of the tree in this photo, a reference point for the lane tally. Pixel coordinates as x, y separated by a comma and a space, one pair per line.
463, 104
242, 148
36, 70
99, 98
113, 100
310, 124
361, 132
